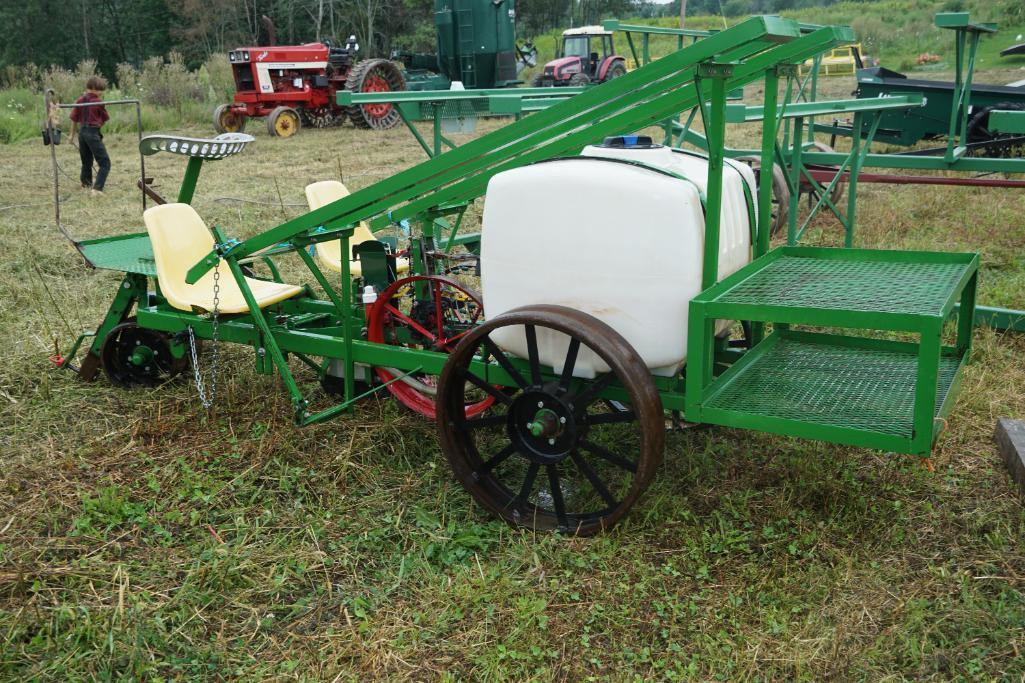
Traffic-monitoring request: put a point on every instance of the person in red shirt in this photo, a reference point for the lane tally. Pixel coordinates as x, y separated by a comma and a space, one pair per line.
89, 120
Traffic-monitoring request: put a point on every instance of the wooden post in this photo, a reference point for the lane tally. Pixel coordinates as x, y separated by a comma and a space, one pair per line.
683, 13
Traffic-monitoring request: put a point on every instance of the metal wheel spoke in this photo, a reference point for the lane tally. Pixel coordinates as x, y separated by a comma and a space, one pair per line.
489, 421
484, 386
528, 484
571, 361
499, 458
611, 418
606, 454
595, 480
535, 363
497, 354
584, 398
409, 321
554, 485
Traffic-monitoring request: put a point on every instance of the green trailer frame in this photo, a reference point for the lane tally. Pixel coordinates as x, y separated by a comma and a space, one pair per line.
803, 301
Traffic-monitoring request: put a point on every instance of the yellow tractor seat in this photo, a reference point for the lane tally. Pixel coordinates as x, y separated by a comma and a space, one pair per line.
180, 239
330, 253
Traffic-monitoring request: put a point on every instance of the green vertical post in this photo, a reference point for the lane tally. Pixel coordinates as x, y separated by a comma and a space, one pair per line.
188, 186
926, 386
437, 129
644, 48
852, 183
715, 129
345, 314
966, 315
796, 168
768, 162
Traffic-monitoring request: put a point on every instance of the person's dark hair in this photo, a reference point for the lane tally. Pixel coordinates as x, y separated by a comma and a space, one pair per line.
96, 83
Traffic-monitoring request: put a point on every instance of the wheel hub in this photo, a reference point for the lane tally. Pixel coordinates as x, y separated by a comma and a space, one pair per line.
542, 426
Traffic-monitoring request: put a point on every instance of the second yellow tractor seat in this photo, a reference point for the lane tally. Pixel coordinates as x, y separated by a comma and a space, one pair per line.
330, 253
180, 240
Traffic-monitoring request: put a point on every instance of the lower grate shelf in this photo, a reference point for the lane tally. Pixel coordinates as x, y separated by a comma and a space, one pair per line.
830, 384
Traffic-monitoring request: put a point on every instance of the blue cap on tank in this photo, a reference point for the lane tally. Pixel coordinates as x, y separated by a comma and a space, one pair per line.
629, 142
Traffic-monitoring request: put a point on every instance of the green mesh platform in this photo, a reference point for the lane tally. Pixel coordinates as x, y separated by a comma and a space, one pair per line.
853, 285
831, 385
127, 253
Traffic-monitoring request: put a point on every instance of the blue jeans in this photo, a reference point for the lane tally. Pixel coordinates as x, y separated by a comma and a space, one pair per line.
90, 147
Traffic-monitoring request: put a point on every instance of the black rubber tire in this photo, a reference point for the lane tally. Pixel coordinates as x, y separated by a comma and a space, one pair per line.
537, 81
322, 117
220, 120
361, 115
293, 126
617, 69
579, 80
978, 131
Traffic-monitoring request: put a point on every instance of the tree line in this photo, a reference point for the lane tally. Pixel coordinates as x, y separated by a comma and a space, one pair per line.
112, 32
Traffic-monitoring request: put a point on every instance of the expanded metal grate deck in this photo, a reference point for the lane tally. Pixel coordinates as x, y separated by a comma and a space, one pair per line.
833, 385
852, 285
130, 253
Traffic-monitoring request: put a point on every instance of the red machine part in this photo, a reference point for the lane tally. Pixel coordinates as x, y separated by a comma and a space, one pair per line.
426, 308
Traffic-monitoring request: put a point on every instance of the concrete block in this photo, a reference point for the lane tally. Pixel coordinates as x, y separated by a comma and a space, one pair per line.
1010, 437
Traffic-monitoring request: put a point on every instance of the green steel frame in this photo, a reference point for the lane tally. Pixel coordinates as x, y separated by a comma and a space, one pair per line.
698, 76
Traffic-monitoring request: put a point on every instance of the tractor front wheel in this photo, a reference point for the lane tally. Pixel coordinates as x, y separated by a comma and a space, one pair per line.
228, 121
375, 75
579, 80
283, 122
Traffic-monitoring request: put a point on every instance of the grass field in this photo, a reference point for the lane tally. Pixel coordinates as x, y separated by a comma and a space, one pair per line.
142, 538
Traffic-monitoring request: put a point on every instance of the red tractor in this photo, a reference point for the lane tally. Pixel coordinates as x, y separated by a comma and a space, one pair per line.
295, 85
587, 56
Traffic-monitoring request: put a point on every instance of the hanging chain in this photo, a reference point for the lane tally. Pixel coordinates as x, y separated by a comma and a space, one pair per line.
204, 398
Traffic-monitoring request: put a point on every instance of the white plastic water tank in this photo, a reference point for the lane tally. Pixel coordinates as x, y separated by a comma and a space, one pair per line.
616, 240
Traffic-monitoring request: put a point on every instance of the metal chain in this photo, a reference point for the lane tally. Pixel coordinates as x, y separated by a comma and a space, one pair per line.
208, 401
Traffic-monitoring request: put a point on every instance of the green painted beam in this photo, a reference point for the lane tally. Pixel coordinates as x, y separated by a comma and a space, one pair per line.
1007, 121
738, 113
616, 25
347, 98
960, 21
928, 163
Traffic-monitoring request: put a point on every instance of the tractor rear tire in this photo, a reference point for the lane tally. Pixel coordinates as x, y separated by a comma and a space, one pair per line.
283, 122
321, 117
227, 121
615, 71
579, 80
375, 75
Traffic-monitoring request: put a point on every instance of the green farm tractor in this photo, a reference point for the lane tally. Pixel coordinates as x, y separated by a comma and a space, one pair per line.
551, 391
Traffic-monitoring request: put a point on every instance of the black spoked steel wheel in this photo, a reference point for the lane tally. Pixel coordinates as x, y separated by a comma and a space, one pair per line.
553, 452
134, 356
780, 193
